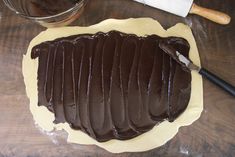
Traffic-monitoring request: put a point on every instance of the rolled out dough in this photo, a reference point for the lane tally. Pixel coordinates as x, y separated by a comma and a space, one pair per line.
156, 137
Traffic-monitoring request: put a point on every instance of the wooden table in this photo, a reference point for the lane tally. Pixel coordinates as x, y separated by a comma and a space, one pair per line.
212, 135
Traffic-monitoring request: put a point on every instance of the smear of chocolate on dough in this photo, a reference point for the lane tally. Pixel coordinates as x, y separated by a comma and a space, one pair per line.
112, 85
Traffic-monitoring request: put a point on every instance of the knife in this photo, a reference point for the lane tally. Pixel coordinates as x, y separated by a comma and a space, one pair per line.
185, 7
185, 62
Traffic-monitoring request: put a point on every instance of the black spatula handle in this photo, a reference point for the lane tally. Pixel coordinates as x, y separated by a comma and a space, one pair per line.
218, 81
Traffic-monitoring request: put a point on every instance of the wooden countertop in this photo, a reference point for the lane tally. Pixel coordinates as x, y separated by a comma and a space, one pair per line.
212, 135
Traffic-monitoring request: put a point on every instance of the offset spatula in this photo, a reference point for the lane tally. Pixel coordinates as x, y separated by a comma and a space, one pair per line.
185, 7
185, 62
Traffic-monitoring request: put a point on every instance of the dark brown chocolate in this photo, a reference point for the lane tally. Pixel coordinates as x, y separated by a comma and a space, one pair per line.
112, 85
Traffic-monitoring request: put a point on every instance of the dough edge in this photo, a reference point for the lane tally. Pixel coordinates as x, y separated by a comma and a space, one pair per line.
141, 27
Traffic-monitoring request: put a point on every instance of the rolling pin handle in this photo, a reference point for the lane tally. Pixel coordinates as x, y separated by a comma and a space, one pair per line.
213, 15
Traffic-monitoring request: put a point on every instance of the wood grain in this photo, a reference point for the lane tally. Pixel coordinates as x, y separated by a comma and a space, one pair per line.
212, 135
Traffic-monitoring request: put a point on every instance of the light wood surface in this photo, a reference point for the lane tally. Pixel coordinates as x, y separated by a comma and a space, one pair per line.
213, 15
212, 135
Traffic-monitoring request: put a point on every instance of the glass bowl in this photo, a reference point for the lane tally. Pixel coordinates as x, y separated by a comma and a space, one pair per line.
48, 13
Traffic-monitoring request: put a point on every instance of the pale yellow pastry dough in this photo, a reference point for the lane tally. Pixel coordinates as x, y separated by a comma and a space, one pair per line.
156, 137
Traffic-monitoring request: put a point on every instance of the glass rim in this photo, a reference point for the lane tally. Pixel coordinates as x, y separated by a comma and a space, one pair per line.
78, 4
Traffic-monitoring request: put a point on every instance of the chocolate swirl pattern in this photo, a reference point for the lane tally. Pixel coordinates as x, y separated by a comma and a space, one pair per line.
112, 85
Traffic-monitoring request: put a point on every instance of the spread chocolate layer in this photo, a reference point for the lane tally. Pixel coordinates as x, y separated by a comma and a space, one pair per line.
112, 85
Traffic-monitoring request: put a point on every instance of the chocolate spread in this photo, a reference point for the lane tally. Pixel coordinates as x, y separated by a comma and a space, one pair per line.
112, 85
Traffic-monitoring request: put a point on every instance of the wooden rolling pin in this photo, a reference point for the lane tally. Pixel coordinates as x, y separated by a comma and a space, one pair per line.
185, 7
